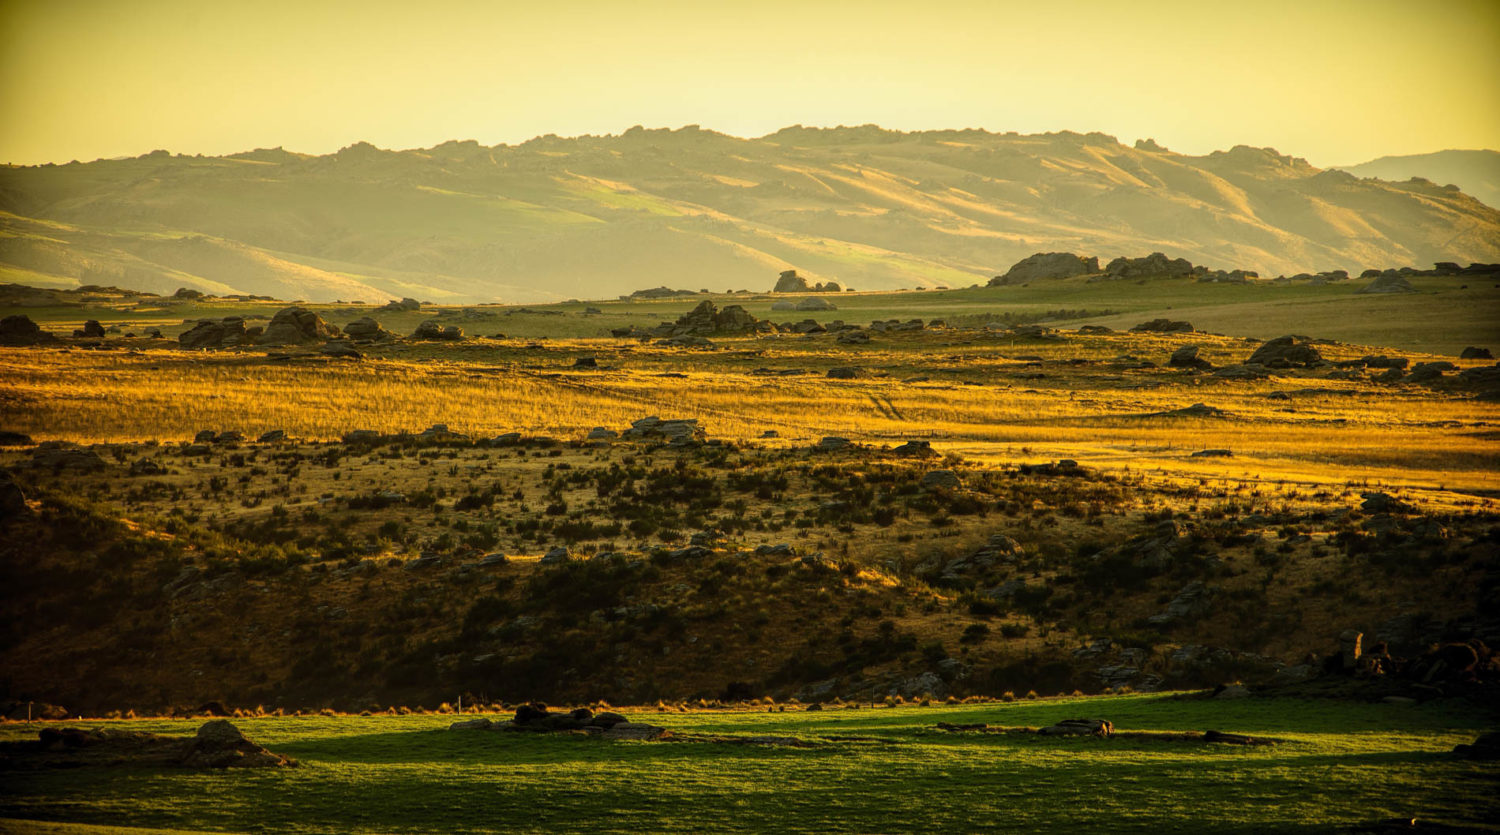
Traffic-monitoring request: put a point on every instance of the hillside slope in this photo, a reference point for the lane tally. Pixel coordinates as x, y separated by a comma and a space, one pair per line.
597, 216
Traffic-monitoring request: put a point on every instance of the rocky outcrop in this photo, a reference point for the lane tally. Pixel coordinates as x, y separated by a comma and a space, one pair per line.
366, 329
790, 282
297, 326
207, 333
679, 432
1286, 352
59, 455
658, 293
1046, 265
434, 332
1187, 357
1163, 326
20, 330
815, 303
90, 330
1154, 265
1389, 282
707, 319
403, 305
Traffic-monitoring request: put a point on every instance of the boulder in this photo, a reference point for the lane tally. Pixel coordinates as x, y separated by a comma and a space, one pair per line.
833, 444
1378, 502
783, 304
915, 449
403, 305
853, 338
210, 334
341, 350
790, 282
815, 303
57, 455
366, 329
1389, 282
479, 723
941, 480
845, 373
707, 319
1163, 326
1472, 353
679, 431
1187, 357
1046, 265
1080, 727
15, 439
20, 330
272, 436
1286, 352
219, 744
91, 330
432, 331
297, 326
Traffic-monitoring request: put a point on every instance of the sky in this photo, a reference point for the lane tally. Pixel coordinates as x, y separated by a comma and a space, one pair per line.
1335, 82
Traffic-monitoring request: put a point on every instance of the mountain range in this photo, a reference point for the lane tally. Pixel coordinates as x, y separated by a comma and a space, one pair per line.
597, 216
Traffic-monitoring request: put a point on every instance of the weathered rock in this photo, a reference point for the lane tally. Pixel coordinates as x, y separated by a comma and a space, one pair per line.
12, 500
341, 350
1389, 282
366, 329
1163, 326
1046, 265
403, 305
57, 455
207, 333
1080, 727
297, 326
219, 744
915, 449
790, 282
91, 330
478, 723
679, 431
845, 373
1153, 265
599, 433
555, 556
1197, 410
636, 731
854, 338
1426, 372
815, 303
833, 444
1377, 502
1472, 353
1187, 357
941, 480
20, 330
1213, 453
272, 436
15, 439
1286, 352
435, 332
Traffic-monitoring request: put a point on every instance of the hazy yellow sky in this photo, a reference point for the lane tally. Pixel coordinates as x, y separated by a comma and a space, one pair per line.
1336, 82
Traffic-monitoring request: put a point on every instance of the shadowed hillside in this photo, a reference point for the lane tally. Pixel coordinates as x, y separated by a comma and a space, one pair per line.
597, 216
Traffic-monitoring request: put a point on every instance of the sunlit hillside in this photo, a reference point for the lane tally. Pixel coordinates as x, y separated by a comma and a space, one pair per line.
593, 217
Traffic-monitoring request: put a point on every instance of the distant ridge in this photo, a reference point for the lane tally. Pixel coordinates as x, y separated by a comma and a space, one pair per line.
1476, 172
597, 217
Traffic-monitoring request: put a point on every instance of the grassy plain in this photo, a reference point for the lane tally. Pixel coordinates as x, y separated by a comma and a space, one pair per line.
873, 769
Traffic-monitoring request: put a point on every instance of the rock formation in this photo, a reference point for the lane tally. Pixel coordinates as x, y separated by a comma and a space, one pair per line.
1047, 265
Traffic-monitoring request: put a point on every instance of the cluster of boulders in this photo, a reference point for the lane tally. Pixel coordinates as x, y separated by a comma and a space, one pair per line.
402, 306
537, 718
218, 744
790, 282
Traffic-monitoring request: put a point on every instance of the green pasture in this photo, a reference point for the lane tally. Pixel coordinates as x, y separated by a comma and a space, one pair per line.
1337, 764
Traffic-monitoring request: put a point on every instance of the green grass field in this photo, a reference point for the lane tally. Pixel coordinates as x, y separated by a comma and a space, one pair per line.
1337, 764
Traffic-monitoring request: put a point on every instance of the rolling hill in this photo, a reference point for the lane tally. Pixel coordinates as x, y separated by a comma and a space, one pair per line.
555, 218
